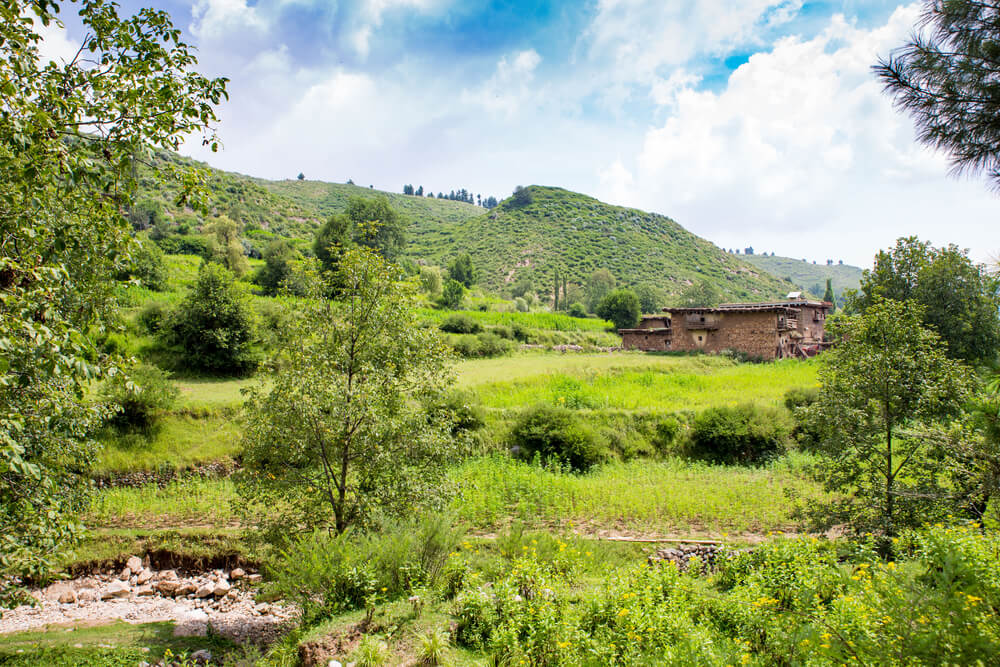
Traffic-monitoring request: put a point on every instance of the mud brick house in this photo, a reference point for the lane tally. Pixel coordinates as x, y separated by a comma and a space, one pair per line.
770, 330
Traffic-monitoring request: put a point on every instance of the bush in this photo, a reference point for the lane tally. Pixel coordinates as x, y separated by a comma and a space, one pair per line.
213, 328
666, 433
621, 308
184, 245
577, 309
452, 295
555, 435
806, 430
743, 434
521, 305
151, 317
521, 332
148, 267
503, 331
461, 324
138, 396
329, 574
483, 345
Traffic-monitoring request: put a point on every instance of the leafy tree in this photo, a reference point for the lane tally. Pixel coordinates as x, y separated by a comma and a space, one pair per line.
213, 329
945, 78
701, 293
430, 280
227, 249
278, 257
577, 309
138, 396
651, 299
301, 176
70, 135
959, 298
147, 266
452, 294
332, 240
521, 198
462, 270
522, 286
887, 375
342, 436
377, 225
621, 307
828, 294
598, 285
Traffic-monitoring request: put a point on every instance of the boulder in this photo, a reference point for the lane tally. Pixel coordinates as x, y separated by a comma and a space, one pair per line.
126, 573
221, 588
237, 574
144, 576
145, 591
134, 563
168, 575
168, 587
202, 657
186, 588
86, 595
68, 596
116, 589
204, 591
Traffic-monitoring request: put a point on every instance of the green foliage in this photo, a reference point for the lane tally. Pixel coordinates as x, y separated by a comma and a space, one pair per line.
277, 269
152, 316
430, 280
329, 574
699, 294
577, 309
599, 284
460, 323
342, 434
960, 299
484, 344
432, 647
371, 652
66, 157
621, 307
462, 270
809, 277
377, 225
138, 396
887, 375
213, 329
333, 238
743, 434
651, 299
828, 294
807, 432
943, 78
555, 435
148, 267
224, 245
452, 294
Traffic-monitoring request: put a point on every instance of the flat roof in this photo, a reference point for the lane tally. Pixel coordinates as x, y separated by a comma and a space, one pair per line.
766, 306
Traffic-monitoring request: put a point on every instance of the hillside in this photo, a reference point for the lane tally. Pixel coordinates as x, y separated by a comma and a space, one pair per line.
808, 276
519, 239
565, 229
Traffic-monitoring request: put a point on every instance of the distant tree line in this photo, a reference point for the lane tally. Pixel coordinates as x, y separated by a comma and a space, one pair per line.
462, 195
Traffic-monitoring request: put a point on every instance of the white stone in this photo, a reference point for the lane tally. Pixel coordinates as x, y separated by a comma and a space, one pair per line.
204, 591
134, 563
221, 588
126, 573
237, 574
144, 576
116, 589
68, 596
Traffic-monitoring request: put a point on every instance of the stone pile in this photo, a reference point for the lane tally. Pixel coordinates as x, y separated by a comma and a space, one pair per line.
682, 554
221, 599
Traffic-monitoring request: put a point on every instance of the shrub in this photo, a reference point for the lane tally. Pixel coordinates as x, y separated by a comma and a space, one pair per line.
807, 430
492, 345
371, 652
521, 304
461, 324
213, 328
555, 435
521, 332
184, 245
452, 294
742, 434
433, 647
148, 267
329, 574
666, 433
504, 332
621, 307
577, 309
152, 316
138, 397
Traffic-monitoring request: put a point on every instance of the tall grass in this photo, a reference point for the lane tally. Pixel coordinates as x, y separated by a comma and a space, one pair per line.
549, 321
643, 495
684, 387
193, 502
178, 440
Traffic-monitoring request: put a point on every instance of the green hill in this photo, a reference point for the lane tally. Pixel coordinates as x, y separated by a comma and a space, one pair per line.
808, 276
531, 236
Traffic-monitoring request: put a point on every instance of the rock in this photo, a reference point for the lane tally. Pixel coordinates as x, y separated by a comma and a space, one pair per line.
204, 591
116, 589
68, 596
262, 608
126, 573
134, 563
168, 575
254, 578
144, 576
186, 588
202, 657
145, 591
168, 587
237, 574
334, 663
221, 588
86, 595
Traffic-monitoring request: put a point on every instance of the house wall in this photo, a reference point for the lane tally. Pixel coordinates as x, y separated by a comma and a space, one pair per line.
811, 329
654, 341
753, 333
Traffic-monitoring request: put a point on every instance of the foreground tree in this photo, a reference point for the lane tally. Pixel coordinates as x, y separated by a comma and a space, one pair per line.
960, 299
70, 133
946, 78
621, 308
343, 436
886, 379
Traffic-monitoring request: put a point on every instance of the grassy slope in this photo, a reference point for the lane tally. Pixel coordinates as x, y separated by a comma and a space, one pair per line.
582, 234
808, 276
558, 229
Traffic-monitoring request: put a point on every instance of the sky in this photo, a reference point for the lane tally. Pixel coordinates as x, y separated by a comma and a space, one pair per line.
750, 122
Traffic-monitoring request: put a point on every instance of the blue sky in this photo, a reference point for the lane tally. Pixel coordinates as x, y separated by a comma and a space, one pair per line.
750, 122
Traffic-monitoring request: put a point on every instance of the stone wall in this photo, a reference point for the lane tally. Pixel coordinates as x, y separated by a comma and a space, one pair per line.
753, 333
651, 341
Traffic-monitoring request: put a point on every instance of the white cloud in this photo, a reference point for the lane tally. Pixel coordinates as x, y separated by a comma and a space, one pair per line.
215, 19
801, 153
511, 85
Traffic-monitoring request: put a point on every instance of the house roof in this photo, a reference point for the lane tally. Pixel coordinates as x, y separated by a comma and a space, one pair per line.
766, 306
